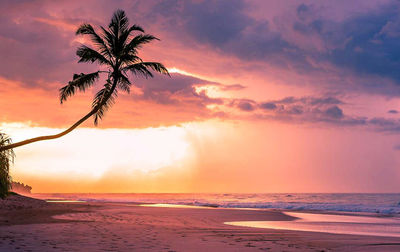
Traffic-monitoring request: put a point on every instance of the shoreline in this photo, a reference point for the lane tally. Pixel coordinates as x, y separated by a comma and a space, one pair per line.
282, 201
128, 227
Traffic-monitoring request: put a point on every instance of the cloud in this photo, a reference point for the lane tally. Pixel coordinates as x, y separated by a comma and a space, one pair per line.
175, 90
33, 50
334, 112
393, 111
385, 125
308, 109
358, 45
245, 106
215, 22
310, 100
324, 100
307, 39
268, 105
367, 49
295, 110
233, 87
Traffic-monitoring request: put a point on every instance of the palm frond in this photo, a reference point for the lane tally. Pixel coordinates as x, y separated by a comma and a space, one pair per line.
110, 40
136, 28
87, 29
124, 83
6, 159
79, 82
102, 101
118, 27
122, 40
139, 69
157, 67
88, 54
124, 35
138, 41
129, 58
119, 21
142, 68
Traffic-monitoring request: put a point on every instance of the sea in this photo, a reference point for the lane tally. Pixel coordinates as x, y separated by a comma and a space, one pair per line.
368, 214
384, 204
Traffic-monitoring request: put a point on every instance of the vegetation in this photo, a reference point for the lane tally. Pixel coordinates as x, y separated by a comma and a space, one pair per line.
20, 187
115, 49
6, 159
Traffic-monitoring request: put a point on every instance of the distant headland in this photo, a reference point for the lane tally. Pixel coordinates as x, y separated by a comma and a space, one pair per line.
20, 188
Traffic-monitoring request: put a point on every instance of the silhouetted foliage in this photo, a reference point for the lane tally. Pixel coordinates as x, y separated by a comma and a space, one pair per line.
6, 158
115, 48
20, 188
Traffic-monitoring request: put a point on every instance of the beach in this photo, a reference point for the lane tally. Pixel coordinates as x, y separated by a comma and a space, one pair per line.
35, 225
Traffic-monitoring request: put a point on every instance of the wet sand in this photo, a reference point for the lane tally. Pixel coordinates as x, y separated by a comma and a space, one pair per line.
40, 226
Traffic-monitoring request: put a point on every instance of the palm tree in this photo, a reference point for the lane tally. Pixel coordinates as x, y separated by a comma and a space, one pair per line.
116, 50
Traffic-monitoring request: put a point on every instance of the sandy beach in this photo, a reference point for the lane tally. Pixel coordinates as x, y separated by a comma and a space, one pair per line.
34, 225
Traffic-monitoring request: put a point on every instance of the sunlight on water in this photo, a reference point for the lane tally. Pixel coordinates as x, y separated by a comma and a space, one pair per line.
171, 205
367, 203
329, 223
65, 201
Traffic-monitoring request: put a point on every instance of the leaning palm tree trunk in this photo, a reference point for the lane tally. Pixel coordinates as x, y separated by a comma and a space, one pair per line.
115, 48
63, 133
49, 137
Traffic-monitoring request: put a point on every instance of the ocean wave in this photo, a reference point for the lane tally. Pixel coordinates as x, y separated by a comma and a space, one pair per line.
314, 207
299, 206
368, 203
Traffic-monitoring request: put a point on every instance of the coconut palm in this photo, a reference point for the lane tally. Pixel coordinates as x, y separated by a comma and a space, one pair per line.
115, 49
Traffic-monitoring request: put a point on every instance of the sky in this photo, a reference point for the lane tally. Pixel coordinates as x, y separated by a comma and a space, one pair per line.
264, 96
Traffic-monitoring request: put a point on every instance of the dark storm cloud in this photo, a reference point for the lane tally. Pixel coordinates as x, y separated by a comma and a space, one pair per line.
364, 43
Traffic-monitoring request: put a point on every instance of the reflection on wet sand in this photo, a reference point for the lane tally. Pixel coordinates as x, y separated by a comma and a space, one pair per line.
332, 223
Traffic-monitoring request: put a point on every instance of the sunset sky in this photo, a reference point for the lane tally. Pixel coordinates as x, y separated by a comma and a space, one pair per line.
264, 96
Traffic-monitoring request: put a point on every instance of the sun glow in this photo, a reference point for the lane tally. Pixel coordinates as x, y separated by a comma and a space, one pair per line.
93, 153
183, 72
210, 91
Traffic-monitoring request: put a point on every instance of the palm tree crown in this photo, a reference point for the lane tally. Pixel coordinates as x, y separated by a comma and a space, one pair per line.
116, 49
